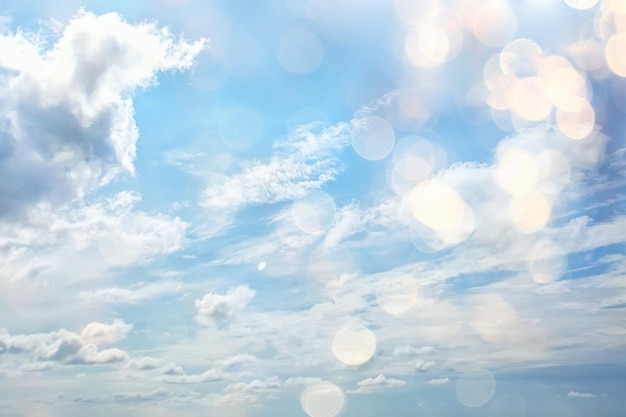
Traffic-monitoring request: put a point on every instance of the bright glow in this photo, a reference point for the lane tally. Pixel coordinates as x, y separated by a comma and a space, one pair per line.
530, 99
554, 171
521, 57
475, 388
530, 212
261, 266
614, 52
398, 295
413, 12
354, 345
494, 23
372, 137
576, 124
322, 399
581, 4
313, 213
516, 171
436, 205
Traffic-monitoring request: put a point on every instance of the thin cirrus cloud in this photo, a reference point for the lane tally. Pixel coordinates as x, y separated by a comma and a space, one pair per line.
305, 161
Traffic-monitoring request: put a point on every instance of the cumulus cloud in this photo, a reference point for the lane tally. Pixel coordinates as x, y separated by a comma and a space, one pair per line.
105, 334
305, 161
422, 365
222, 308
577, 394
67, 123
438, 381
63, 346
379, 382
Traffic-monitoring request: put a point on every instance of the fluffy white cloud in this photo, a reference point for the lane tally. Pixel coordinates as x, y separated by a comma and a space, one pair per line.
221, 309
438, 381
105, 334
67, 123
63, 346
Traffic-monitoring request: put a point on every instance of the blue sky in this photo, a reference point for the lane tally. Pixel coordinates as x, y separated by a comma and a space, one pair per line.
312, 207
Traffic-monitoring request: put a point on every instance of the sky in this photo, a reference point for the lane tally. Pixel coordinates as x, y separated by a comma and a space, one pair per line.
313, 207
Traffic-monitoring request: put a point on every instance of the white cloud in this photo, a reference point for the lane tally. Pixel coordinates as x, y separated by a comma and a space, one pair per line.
220, 309
577, 394
424, 366
105, 334
347, 222
137, 293
210, 375
67, 123
305, 161
82, 242
368, 385
438, 381
63, 346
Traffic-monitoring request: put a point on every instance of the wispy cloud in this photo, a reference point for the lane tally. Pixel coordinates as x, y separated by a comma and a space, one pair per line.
305, 161
577, 394
438, 381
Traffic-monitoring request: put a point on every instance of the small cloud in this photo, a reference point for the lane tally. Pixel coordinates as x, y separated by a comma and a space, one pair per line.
104, 334
424, 366
577, 394
438, 381
221, 309
375, 384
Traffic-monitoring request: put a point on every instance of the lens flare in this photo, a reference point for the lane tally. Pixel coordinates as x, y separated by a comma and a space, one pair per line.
530, 212
322, 399
436, 205
475, 388
516, 172
547, 262
372, 137
354, 345
398, 295
313, 213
